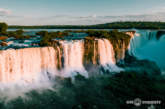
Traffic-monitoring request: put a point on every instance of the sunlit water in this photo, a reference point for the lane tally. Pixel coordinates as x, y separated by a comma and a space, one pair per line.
144, 45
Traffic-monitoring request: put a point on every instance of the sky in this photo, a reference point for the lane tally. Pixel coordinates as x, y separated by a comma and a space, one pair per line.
79, 12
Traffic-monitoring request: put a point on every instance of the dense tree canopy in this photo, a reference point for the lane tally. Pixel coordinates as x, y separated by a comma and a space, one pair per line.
3, 28
48, 36
113, 25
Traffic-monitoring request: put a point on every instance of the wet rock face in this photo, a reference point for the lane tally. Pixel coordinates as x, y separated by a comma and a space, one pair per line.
59, 58
159, 34
91, 55
120, 47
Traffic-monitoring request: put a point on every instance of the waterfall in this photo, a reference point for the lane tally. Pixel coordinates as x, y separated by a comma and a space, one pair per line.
26, 69
30, 63
73, 57
106, 52
149, 45
30, 68
73, 54
26, 64
107, 56
35, 64
143, 38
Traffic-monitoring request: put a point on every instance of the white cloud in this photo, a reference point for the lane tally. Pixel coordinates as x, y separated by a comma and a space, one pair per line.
79, 20
4, 12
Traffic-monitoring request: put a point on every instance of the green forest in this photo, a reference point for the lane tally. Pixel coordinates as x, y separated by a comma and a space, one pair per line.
113, 25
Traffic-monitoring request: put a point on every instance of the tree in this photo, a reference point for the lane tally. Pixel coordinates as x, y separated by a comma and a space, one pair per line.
19, 32
42, 33
3, 28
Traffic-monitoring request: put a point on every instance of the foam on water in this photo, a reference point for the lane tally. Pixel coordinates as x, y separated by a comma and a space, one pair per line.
27, 69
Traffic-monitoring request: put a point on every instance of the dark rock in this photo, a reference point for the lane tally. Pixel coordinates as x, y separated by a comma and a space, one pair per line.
147, 67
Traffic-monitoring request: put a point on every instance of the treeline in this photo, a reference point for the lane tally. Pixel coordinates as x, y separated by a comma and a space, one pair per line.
4, 34
136, 25
114, 25
114, 35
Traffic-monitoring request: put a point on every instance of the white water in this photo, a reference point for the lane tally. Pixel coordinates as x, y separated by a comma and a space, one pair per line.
26, 69
107, 55
106, 52
73, 57
26, 64
29, 63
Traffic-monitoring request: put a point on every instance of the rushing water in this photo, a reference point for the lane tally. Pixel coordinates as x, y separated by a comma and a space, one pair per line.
36, 66
33, 68
30, 68
27, 75
146, 45
27, 64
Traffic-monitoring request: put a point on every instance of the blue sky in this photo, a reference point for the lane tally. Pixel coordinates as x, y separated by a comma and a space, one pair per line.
42, 12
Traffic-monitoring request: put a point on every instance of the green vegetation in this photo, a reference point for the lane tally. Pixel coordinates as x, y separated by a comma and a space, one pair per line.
18, 34
114, 34
119, 40
57, 34
137, 25
3, 28
100, 92
92, 34
114, 25
48, 36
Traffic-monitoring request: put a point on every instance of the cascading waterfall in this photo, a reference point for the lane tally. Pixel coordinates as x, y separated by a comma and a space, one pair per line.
73, 57
73, 54
29, 63
26, 69
107, 55
142, 39
26, 64
106, 52
149, 45
33, 68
